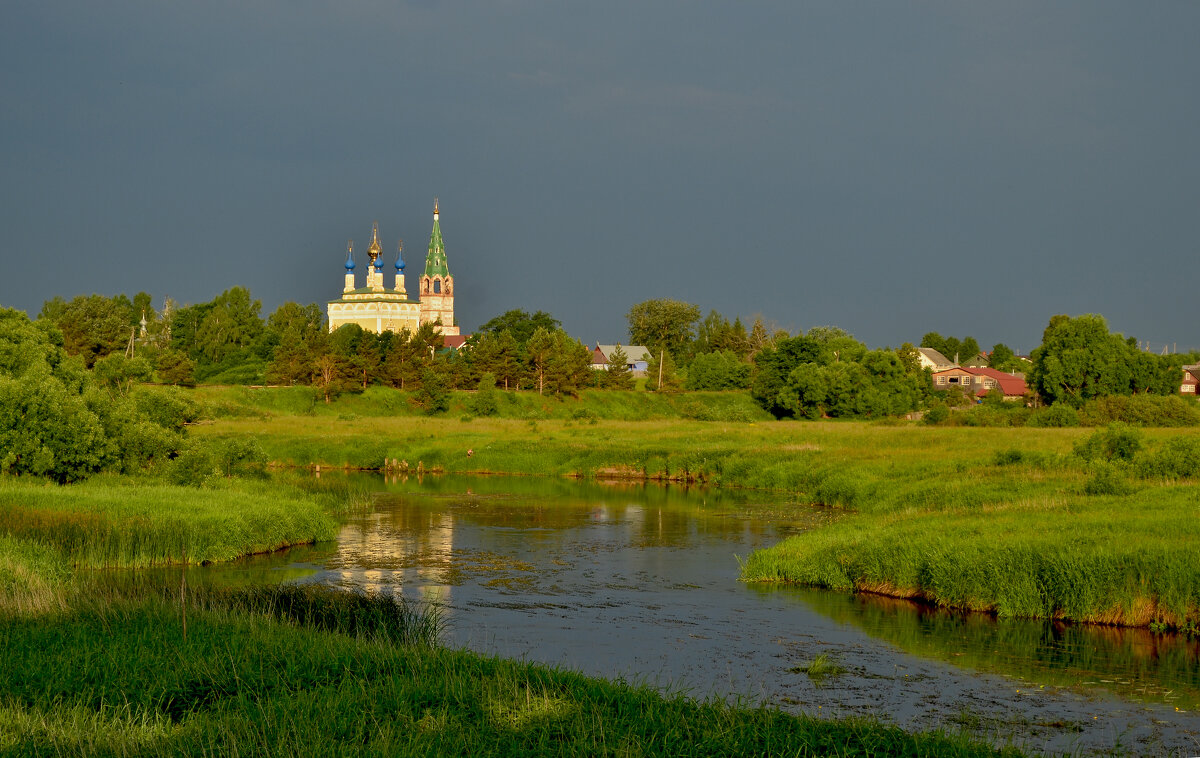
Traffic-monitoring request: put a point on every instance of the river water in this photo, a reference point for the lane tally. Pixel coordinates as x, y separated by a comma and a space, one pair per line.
641, 583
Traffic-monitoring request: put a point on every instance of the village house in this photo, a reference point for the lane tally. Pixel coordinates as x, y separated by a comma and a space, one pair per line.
980, 381
933, 360
1191, 376
636, 357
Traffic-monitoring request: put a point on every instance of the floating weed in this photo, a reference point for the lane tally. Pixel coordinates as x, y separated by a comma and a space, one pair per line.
820, 667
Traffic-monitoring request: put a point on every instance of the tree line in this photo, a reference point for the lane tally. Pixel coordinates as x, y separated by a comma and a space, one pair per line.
824, 371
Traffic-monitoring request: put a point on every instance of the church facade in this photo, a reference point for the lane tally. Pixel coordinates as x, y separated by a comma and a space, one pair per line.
377, 308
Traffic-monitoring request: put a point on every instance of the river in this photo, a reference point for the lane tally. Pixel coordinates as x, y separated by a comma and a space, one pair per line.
640, 582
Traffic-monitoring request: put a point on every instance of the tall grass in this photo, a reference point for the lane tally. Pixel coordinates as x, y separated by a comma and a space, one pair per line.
119, 679
1132, 561
34, 578
112, 522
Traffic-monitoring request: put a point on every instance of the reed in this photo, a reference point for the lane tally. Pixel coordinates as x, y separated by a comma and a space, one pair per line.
34, 578
1109, 560
119, 522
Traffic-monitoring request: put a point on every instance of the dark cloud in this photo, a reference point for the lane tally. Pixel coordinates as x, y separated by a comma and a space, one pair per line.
969, 169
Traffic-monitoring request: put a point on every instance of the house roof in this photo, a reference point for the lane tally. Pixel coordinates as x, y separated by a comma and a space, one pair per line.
1011, 384
633, 352
454, 340
935, 357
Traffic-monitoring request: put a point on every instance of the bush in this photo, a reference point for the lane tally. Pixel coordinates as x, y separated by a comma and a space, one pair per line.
937, 414
1142, 410
433, 395
1108, 480
484, 402
1118, 442
1177, 458
169, 407
1057, 415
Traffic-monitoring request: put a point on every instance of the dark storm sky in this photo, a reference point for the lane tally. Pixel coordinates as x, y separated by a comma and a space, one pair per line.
891, 168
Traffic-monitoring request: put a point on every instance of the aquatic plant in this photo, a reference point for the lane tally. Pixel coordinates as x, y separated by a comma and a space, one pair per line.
820, 667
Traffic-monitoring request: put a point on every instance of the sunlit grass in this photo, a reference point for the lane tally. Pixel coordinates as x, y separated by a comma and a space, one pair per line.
115, 522
118, 678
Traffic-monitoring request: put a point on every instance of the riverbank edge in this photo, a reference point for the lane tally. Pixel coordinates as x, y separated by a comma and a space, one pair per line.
148, 690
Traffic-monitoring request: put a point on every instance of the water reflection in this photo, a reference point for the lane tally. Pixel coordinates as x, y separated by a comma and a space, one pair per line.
1132, 663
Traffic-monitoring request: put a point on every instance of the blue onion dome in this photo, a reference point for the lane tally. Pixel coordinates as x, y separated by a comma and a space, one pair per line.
400, 257
349, 257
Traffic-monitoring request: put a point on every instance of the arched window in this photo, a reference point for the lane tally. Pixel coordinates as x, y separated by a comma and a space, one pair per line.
437, 286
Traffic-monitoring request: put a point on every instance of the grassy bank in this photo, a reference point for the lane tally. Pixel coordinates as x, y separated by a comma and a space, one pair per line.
118, 678
1009, 521
122, 522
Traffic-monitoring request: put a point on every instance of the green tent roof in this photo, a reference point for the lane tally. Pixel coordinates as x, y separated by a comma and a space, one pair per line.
435, 260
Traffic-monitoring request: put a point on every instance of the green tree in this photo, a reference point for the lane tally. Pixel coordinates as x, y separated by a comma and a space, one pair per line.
722, 370
433, 395
520, 325
404, 361
307, 320
366, 360
570, 365
1002, 358
92, 326
539, 351
663, 324
332, 375
1079, 359
292, 360
484, 402
174, 367
118, 373
662, 374
618, 375
805, 391
773, 364
230, 323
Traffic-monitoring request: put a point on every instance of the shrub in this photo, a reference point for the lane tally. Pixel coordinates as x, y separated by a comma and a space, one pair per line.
433, 395
1119, 442
1142, 410
484, 402
1057, 415
1175, 459
1107, 480
169, 407
937, 414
